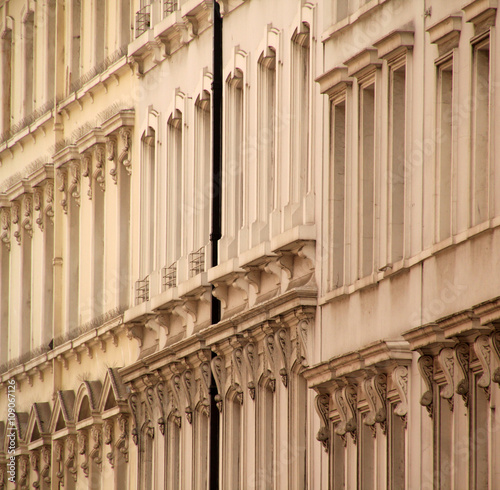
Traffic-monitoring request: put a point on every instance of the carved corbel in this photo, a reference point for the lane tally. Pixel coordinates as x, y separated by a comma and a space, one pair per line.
46, 460
376, 391
251, 360
15, 219
426, 368
205, 387
61, 187
24, 465
136, 332
346, 401
74, 182
5, 235
495, 344
308, 252
188, 386
38, 206
82, 451
446, 361
100, 164
283, 342
108, 431
49, 201
133, 401
186, 310
219, 372
87, 171
462, 356
220, 292
253, 278
160, 393
286, 261
175, 383
400, 380
35, 467
273, 268
159, 50
192, 25
27, 220
236, 371
59, 459
125, 158
483, 350
70, 462
302, 332
96, 451
122, 441
322, 404
111, 150
270, 355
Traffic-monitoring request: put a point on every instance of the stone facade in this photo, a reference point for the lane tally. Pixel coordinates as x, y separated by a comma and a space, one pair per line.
344, 329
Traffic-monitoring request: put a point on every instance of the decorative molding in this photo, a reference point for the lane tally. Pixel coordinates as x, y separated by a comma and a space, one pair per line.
61, 187
100, 166
96, 451
122, 441
426, 368
400, 380
376, 392
5, 231
107, 436
125, 155
251, 360
59, 459
133, 401
35, 466
82, 451
446, 361
87, 170
46, 461
111, 144
462, 355
346, 399
70, 461
15, 220
322, 404
219, 372
495, 344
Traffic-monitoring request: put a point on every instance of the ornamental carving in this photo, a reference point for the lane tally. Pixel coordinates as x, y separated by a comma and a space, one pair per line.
346, 400
446, 361
87, 171
70, 462
122, 441
96, 451
205, 388
62, 188
35, 466
24, 465
49, 201
283, 341
462, 356
160, 393
59, 459
38, 206
133, 401
188, 388
219, 372
82, 451
375, 389
237, 381
322, 404
100, 166
426, 368
46, 460
111, 151
74, 182
15, 219
251, 361
400, 380
495, 344
124, 158
5, 223
108, 430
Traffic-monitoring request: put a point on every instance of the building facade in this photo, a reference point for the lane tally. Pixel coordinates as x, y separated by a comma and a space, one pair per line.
310, 301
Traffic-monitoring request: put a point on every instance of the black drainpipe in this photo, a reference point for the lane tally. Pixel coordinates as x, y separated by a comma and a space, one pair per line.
216, 227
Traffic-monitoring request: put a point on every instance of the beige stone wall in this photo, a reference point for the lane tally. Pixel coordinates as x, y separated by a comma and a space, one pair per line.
358, 345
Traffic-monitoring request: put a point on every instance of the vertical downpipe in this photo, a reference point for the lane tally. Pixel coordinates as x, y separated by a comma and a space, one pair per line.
215, 234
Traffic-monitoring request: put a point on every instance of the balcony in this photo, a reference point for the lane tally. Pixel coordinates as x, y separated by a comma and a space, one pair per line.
142, 290
142, 20
169, 276
170, 6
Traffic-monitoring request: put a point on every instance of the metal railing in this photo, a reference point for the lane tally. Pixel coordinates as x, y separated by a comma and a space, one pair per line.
197, 262
169, 276
142, 20
170, 6
142, 290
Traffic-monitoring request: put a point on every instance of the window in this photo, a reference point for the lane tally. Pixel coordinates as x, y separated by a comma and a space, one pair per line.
366, 177
444, 147
125, 23
148, 194
201, 197
50, 15
175, 207
28, 46
299, 104
234, 158
76, 33
6, 73
397, 137
100, 13
480, 130
337, 190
